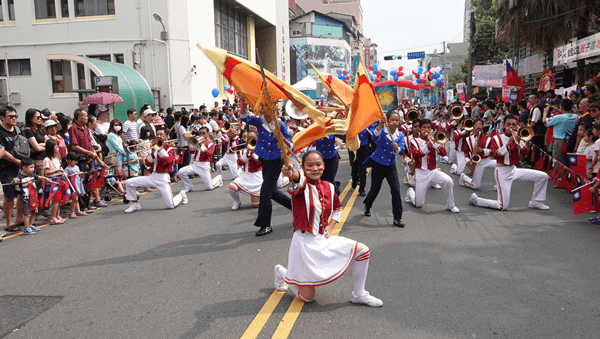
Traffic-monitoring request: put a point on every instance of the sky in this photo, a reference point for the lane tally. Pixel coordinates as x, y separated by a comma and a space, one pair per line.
401, 26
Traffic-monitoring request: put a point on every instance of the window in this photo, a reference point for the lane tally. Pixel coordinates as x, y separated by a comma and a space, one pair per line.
119, 58
326, 31
11, 10
44, 9
18, 67
1, 15
62, 81
230, 30
2, 68
64, 8
81, 76
94, 7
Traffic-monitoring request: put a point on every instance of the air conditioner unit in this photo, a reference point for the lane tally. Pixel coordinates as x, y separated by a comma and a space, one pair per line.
15, 98
3, 92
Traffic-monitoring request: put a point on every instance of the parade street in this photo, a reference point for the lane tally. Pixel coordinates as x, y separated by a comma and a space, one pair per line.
200, 272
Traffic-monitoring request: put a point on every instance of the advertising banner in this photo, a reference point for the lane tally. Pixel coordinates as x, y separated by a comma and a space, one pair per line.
488, 75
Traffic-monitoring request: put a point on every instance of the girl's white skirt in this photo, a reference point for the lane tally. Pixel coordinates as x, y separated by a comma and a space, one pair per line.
249, 183
315, 261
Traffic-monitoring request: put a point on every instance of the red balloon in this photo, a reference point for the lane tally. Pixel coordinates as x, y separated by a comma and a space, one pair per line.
400, 68
230, 90
442, 83
378, 73
401, 73
371, 68
345, 72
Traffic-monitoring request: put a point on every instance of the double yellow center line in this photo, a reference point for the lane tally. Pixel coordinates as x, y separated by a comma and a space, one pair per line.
289, 319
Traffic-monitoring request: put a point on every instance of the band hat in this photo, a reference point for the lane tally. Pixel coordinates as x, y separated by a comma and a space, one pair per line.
294, 112
49, 123
148, 112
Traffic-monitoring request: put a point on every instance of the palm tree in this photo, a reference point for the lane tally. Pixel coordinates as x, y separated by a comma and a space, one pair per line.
548, 23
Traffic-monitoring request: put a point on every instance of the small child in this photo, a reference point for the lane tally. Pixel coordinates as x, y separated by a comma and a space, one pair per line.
53, 169
134, 162
23, 179
77, 184
587, 142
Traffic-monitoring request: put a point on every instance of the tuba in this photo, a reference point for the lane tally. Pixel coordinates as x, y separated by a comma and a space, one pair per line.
456, 112
468, 124
412, 115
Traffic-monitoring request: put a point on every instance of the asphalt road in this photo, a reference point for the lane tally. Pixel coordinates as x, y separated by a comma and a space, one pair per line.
199, 272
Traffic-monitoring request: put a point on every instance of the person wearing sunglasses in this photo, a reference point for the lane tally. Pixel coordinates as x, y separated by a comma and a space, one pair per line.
9, 168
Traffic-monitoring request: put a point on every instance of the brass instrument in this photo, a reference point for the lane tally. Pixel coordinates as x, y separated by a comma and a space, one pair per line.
195, 142
456, 112
525, 133
441, 136
251, 143
158, 143
412, 115
475, 158
468, 124
143, 144
226, 127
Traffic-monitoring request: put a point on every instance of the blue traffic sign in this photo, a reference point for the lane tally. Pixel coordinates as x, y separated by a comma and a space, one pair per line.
416, 55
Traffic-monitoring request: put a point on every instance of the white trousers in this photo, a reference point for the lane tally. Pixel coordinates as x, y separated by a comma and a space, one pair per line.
475, 182
461, 162
231, 160
160, 181
424, 178
504, 179
202, 169
451, 151
411, 178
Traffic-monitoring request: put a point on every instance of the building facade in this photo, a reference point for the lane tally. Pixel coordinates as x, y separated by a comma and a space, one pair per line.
154, 37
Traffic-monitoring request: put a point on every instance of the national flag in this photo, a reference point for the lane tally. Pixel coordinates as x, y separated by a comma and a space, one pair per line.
246, 78
40, 193
582, 199
91, 184
365, 108
578, 163
569, 182
539, 165
54, 188
556, 172
34, 202
68, 192
100, 179
59, 194
513, 80
551, 166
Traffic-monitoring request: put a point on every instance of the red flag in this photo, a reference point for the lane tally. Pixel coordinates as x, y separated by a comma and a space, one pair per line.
54, 188
58, 197
91, 185
34, 203
539, 165
570, 181
578, 163
554, 172
562, 181
582, 199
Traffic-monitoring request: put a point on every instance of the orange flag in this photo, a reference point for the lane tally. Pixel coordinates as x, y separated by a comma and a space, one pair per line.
340, 89
315, 132
246, 78
365, 109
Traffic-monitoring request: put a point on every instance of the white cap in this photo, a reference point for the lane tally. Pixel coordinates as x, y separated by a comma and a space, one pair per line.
149, 111
49, 123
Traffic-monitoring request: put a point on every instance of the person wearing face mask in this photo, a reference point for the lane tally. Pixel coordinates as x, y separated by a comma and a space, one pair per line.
506, 148
115, 145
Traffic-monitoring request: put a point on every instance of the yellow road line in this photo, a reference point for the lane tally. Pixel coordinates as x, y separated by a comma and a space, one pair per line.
263, 315
289, 319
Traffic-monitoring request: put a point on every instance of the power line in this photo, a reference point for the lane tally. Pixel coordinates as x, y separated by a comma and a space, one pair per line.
558, 15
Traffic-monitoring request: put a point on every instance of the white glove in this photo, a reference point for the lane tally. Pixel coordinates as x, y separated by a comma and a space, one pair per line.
151, 157
162, 153
203, 148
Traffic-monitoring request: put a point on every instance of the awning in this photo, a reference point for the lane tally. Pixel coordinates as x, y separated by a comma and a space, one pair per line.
133, 88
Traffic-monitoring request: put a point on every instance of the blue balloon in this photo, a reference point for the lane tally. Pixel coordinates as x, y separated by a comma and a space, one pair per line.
225, 88
420, 70
340, 76
372, 79
215, 92
393, 73
375, 67
418, 80
322, 97
396, 78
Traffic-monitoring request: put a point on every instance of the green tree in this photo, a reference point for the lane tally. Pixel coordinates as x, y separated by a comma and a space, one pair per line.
456, 78
487, 49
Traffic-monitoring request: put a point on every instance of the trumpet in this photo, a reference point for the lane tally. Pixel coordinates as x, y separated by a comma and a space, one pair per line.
412, 115
158, 143
468, 124
226, 127
195, 142
456, 112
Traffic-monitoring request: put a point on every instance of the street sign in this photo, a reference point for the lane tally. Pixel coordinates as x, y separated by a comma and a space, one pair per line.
416, 55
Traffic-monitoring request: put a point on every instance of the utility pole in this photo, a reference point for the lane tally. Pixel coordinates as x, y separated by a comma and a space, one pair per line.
471, 50
516, 34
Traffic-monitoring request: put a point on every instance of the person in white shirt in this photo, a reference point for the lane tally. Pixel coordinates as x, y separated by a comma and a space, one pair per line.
130, 127
103, 125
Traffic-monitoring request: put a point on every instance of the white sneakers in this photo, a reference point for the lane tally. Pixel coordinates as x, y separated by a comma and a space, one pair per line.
453, 209
454, 169
280, 284
462, 179
407, 198
236, 205
436, 186
366, 299
538, 205
184, 199
473, 199
134, 207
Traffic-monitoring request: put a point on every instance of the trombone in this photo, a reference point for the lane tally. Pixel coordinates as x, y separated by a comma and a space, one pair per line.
441, 136
226, 127
149, 143
158, 143
251, 143
525, 133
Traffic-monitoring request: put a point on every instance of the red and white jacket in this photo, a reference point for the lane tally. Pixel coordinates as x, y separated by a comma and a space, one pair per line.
249, 161
205, 152
313, 202
424, 156
459, 135
161, 161
228, 142
484, 143
507, 155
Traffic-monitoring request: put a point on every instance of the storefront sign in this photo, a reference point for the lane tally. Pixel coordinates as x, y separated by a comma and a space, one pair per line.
578, 49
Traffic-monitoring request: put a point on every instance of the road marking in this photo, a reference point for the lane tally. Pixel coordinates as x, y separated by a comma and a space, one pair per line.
289, 319
263, 315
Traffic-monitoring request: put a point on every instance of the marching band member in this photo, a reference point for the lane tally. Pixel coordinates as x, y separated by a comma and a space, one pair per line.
506, 148
160, 161
315, 257
477, 143
459, 135
201, 166
270, 158
229, 142
250, 180
424, 150
390, 141
359, 170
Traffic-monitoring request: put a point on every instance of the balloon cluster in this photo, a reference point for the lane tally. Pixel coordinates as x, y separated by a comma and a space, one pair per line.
376, 77
431, 78
343, 75
323, 100
228, 89
396, 74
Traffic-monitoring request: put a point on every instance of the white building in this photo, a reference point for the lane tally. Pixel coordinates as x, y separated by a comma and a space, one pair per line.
157, 38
